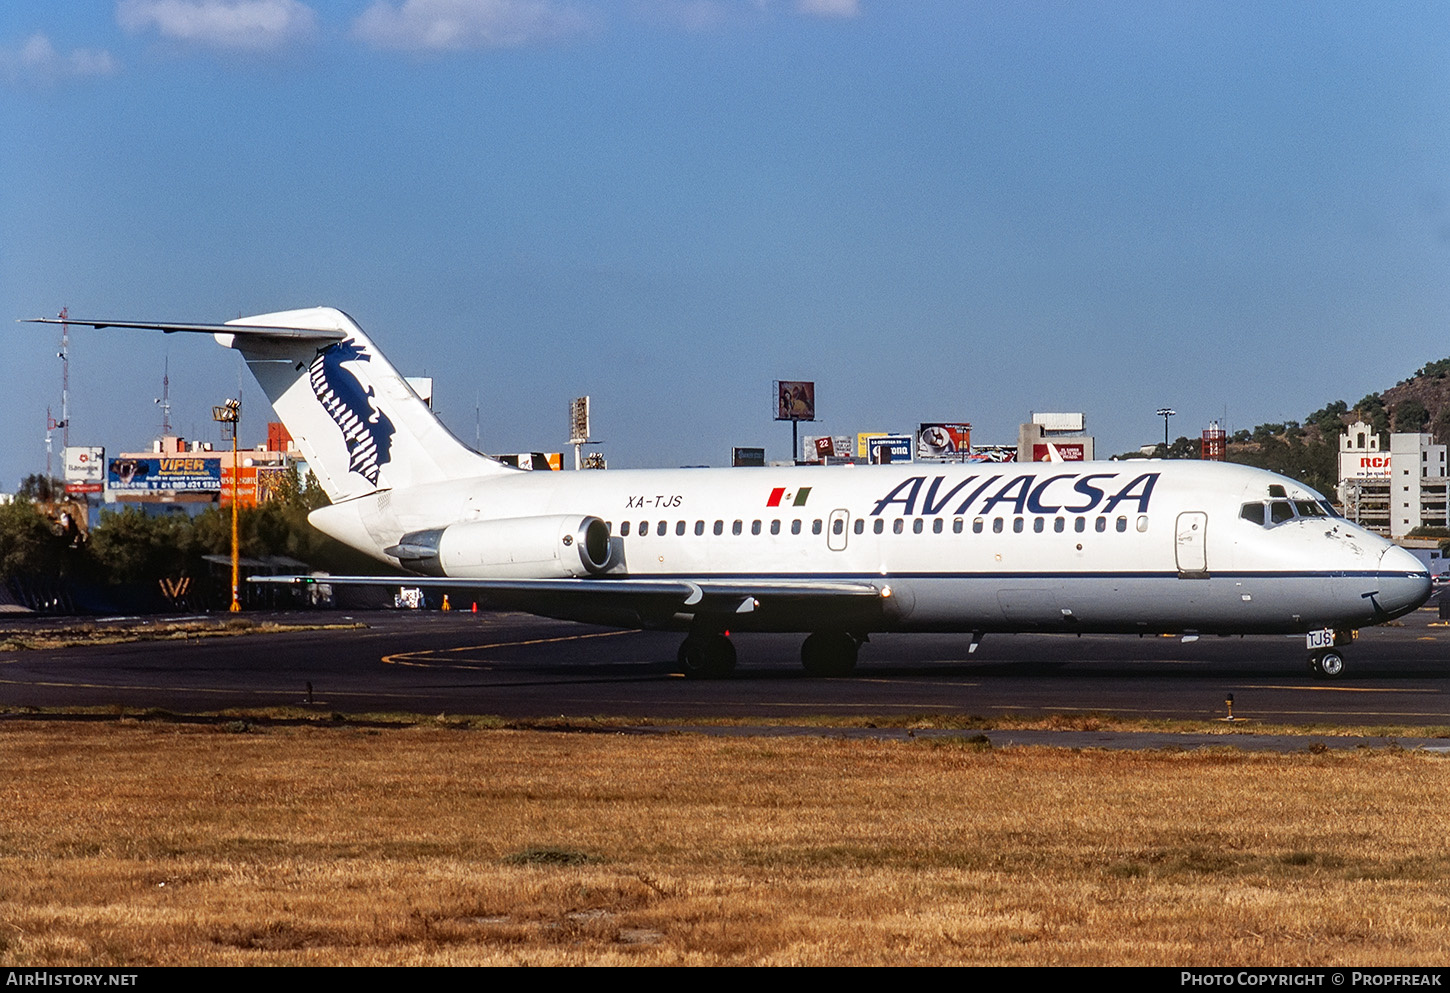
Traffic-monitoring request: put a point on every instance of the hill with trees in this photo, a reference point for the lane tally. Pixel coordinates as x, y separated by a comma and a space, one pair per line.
1308, 450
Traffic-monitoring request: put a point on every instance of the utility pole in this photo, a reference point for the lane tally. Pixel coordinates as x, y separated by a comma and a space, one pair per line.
230, 415
1165, 413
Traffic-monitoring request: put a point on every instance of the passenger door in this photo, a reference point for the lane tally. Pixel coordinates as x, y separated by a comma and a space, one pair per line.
1191, 545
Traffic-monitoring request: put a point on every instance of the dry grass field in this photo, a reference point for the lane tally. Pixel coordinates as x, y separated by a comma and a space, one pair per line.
139, 842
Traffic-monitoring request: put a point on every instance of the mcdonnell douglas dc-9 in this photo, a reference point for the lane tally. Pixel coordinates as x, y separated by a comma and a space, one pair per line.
837, 553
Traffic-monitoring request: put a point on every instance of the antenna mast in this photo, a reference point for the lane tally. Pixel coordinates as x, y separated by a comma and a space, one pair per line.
164, 401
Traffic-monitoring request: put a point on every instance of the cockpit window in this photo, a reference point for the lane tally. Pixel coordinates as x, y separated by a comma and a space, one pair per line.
1277, 490
1280, 511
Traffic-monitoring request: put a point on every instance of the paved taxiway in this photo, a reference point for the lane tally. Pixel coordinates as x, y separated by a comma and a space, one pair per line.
518, 666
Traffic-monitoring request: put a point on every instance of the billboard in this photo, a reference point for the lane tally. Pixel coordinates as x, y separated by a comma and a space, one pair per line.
579, 421
943, 441
747, 456
886, 449
1364, 465
1074, 451
246, 486
795, 400
85, 465
164, 473
863, 442
992, 453
816, 447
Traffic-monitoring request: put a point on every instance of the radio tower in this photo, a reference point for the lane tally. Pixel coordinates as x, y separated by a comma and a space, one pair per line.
164, 400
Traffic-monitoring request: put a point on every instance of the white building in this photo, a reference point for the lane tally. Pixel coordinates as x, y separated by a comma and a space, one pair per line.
1393, 493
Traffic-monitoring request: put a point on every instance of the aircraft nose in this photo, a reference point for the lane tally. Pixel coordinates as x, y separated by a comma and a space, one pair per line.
1404, 582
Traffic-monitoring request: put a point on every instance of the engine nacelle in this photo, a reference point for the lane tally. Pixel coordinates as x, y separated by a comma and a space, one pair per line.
560, 547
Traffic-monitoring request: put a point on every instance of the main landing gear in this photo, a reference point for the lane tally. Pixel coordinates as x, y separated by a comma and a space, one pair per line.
711, 654
1328, 663
830, 653
707, 656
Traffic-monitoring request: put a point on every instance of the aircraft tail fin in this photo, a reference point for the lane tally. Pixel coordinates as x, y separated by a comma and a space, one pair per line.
359, 423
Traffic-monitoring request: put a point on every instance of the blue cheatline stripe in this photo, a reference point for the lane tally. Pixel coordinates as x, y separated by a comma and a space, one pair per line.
878, 576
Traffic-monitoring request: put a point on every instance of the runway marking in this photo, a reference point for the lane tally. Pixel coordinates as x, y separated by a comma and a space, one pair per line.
406, 658
1336, 689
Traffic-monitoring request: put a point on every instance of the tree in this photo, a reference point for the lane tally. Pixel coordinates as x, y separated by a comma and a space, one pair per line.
29, 545
40, 488
1410, 416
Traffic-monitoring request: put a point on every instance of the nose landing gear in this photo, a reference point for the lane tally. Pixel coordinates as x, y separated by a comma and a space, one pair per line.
1327, 663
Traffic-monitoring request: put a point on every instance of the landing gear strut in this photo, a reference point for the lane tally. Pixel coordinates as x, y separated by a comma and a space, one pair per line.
707, 656
830, 653
1327, 663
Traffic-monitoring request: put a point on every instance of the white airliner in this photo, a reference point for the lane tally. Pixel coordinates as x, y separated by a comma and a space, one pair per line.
1143, 547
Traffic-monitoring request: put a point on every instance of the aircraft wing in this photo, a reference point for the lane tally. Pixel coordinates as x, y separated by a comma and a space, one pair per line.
648, 597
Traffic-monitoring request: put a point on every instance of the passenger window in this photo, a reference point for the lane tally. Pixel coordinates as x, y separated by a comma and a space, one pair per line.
1101, 524
737, 527
1143, 523
917, 526
624, 529
1017, 525
754, 527
956, 525
816, 526
699, 527
838, 526
996, 525
936, 525
775, 527
976, 525
680, 527
878, 525
1122, 524
1079, 525
1059, 524
662, 528
719, 527
795, 527
1038, 524
1280, 511
860, 526
898, 526
1253, 512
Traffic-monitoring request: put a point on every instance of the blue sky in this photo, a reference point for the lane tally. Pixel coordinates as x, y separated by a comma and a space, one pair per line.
937, 211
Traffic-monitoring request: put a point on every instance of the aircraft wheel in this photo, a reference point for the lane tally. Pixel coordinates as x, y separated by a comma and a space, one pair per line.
709, 656
830, 653
1329, 664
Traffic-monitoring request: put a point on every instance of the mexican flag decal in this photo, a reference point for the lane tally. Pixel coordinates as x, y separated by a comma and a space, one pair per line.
780, 496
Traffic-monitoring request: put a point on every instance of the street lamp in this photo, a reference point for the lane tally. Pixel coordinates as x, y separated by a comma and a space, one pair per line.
1165, 413
230, 415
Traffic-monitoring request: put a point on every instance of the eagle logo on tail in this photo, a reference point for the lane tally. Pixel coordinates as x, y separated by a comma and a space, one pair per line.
366, 430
